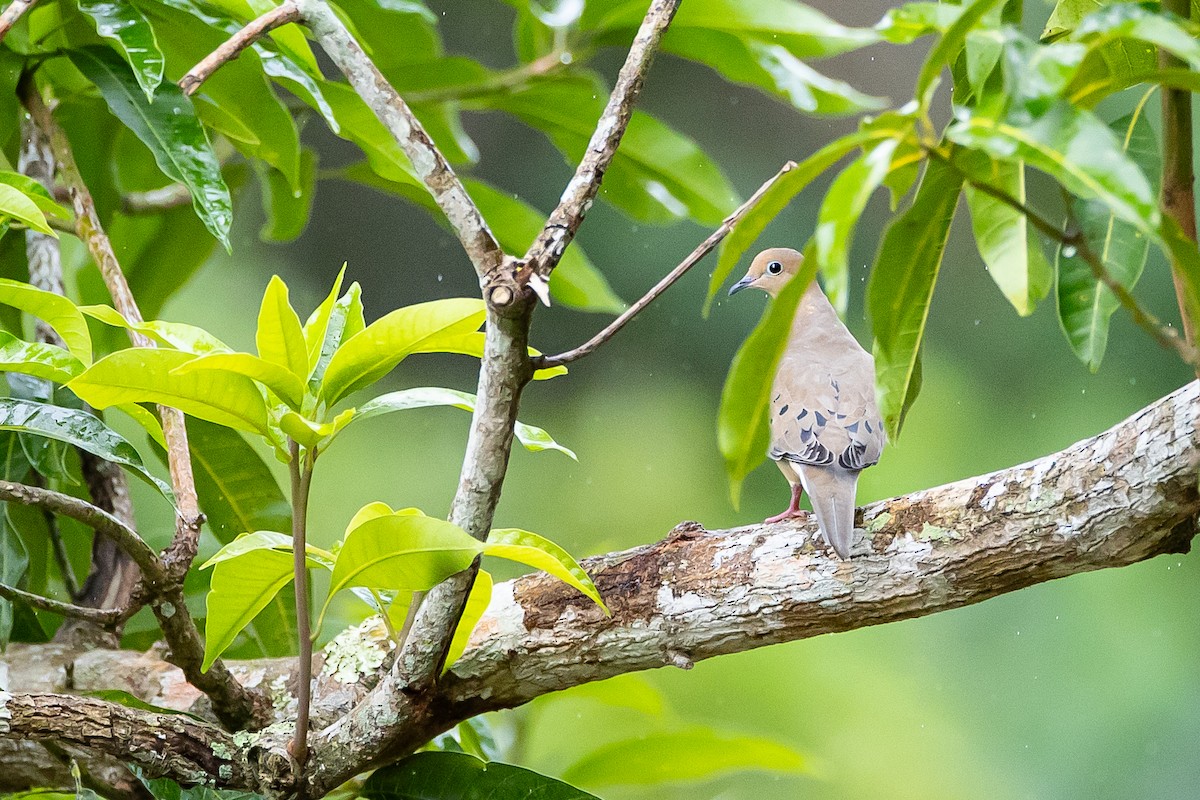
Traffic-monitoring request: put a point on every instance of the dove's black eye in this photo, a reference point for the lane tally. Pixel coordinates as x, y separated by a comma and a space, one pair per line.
774, 268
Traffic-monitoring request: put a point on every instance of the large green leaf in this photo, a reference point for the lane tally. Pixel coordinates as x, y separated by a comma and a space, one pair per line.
373, 352
358, 124
679, 756
316, 327
85, 431
279, 336
240, 589
901, 287
14, 562
911, 21
238, 493
541, 553
948, 48
1073, 147
39, 360
458, 776
175, 335
657, 175
532, 438
37, 193
169, 127
742, 421
236, 100
19, 207
843, 205
783, 191
141, 375
1007, 242
124, 25
768, 65
1085, 305
288, 208
55, 310
1135, 21
401, 551
286, 385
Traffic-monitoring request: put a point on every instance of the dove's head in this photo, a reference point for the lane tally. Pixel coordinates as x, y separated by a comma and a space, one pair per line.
770, 270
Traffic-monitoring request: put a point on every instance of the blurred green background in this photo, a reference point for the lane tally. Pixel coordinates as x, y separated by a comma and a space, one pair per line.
1082, 688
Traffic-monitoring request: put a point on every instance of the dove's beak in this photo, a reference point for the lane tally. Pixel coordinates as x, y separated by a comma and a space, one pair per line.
742, 284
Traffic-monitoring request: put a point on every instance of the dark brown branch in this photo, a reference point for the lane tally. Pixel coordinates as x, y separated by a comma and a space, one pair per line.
577, 198
281, 15
13, 12
430, 165
233, 703
99, 616
702, 249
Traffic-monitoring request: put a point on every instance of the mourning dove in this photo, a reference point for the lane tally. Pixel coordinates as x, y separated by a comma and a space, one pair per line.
825, 424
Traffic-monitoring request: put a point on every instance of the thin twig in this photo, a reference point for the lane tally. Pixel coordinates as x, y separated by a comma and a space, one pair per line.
281, 15
94, 517
179, 555
13, 12
156, 200
577, 198
430, 165
513, 78
702, 249
100, 616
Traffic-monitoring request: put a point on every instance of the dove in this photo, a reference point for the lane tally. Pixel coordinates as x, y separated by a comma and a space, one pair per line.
825, 423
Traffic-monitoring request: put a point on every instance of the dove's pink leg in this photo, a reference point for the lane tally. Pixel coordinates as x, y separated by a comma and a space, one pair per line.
793, 509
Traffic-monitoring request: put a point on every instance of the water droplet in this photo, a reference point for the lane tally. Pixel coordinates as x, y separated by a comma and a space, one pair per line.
1069, 251
440, 277
977, 322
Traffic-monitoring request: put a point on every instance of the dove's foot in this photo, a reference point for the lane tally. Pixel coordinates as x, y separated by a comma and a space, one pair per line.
790, 513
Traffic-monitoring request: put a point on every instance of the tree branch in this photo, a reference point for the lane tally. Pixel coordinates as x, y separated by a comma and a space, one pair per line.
171, 745
13, 12
477, 239
702, 249
577, 198
281, 15
234, 704
99, 616
156, 200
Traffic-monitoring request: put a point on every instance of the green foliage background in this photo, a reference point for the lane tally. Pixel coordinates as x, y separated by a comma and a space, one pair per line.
1085, 687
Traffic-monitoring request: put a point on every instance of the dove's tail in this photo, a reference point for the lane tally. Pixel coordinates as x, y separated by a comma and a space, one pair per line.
832, 492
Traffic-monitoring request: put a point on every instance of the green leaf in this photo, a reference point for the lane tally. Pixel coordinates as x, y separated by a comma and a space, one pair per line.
783, 191
770, 66
948, 47
911, 21
742, 424
286, 385
316, 327
657, 175
288, 209
279, 337
14, 562
533, 439
373, 352
124, 698
901, 287
37, 193
168, 126
575, 282
630, 691
85, 431
681, 756
539, 552
175, 335
1085, 305
345, 321
240, 589
1133, 21
55, 310
238, 493
124, 25
267, 540
1073, 147
18, 206
843, 205
39, 360
1007, 242
358, 124
458, 776
477, 603
405, 552
140, 375
1185, 264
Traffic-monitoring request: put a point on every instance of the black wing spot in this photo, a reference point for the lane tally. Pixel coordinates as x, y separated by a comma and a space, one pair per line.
803, 413
805, 434
852, 457
783, 411
852, 428
820, 419
866, 425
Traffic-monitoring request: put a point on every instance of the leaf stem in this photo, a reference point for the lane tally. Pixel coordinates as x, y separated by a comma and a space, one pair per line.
300, 469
